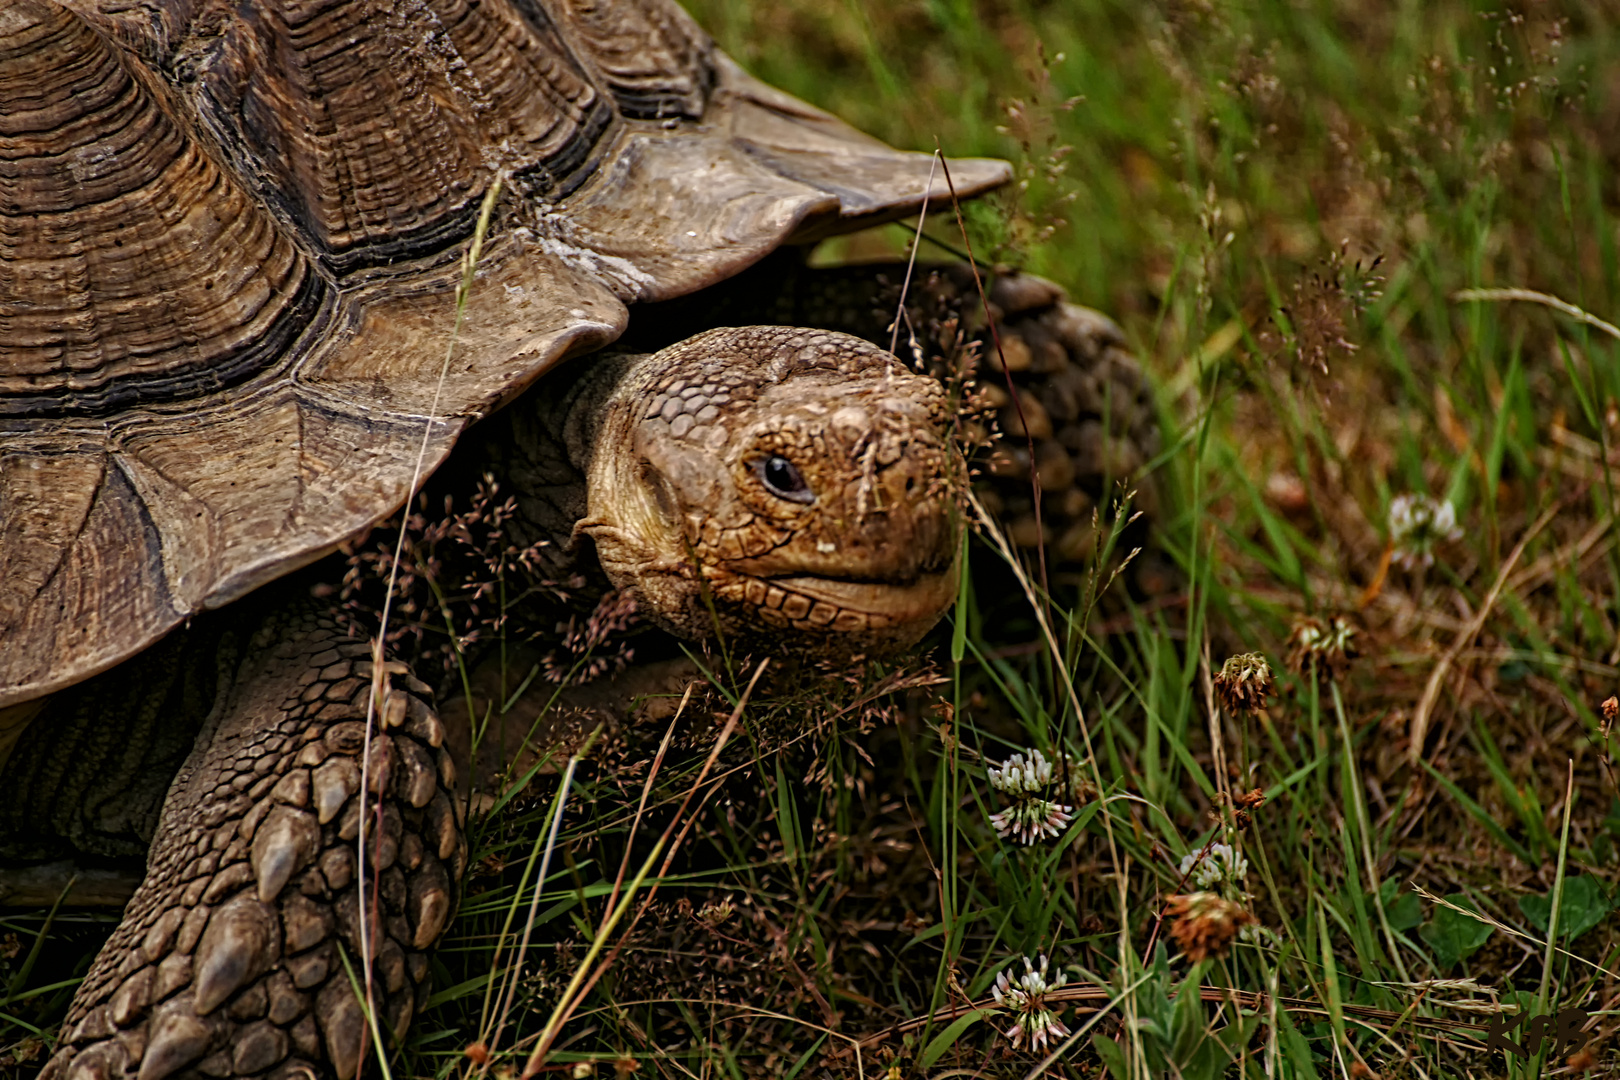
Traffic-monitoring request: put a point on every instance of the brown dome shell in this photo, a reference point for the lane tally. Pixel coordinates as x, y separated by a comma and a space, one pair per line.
230, 234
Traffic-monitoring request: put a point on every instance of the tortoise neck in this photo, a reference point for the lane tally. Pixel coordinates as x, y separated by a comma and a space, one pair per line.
540, 448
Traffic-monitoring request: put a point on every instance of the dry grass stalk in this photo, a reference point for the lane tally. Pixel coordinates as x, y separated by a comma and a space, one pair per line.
1534, 297
379, 675
1431, 691
578, 987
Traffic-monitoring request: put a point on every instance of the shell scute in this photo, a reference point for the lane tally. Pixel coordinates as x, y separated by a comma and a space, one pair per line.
379, 126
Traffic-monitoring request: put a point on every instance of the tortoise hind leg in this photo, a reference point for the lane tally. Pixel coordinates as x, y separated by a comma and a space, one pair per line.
229, 961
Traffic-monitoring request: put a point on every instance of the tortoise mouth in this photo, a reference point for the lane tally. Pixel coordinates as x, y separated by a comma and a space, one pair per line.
897, 610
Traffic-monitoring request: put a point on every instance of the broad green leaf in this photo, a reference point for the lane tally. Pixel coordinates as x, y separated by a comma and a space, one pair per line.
1296, 1052
1452, 935
1404, 911
1113, 1058
1582, 907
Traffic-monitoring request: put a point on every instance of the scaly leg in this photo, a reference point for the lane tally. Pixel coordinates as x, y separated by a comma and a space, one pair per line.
230, 959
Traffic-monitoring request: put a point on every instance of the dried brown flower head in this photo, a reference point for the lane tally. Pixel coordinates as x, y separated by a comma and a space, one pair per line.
1250, 800
1324, 646
1244, 682
1204, 924
1611, 708
1244, 803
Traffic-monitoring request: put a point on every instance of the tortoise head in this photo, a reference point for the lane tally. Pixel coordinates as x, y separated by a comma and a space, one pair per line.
791, 485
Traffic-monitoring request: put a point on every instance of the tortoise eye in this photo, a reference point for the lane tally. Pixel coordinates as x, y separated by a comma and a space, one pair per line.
783, 479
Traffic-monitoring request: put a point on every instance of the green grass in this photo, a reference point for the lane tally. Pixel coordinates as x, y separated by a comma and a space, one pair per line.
1192, 169
1204, 162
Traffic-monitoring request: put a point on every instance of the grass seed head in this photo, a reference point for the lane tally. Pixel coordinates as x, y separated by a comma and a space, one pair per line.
1318, 322
716, 912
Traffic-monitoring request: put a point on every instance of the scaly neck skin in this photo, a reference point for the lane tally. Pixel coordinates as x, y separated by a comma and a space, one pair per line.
539, 450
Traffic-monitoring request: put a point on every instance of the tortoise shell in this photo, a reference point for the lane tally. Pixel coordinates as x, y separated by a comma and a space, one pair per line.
230, 237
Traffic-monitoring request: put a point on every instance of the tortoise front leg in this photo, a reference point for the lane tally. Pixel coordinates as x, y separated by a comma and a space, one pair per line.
230, 959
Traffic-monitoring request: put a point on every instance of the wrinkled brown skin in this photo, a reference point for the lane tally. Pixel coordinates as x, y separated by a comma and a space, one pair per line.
1084, 402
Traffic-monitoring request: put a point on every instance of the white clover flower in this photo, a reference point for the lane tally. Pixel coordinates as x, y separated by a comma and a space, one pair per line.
1016, 776
1417, 524
1031, 817
1025, 998
1221, 866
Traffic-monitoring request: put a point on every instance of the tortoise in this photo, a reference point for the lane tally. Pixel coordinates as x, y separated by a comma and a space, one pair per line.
231, 237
